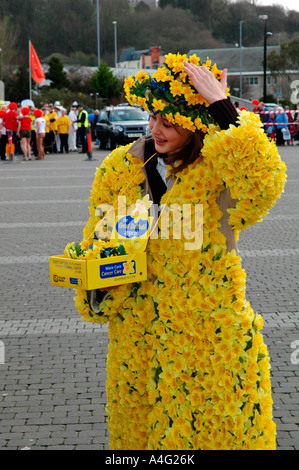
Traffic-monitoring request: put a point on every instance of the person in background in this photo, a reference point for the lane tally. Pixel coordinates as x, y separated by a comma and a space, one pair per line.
40, 129
57, 110
270, 126
63, 125
296, 122
82, 127
255, 104
24, 132
50, 139
73, 129
11, 124
281, 121
264, 116
93, 119
2, 135
33, 133
292, 127
96, 118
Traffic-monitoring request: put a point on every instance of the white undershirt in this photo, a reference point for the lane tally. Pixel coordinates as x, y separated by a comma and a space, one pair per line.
162, 168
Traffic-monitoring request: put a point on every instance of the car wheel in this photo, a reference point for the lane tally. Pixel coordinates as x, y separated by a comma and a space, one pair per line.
103, 144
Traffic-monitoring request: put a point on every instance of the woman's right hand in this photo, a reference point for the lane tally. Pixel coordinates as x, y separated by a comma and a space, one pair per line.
206, 83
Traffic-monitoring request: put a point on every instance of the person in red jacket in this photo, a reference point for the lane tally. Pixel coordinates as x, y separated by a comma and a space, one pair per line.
11, 123
255, 104
24, 132
2, 134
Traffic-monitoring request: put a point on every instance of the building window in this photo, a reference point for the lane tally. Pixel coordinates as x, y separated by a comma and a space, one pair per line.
271, 80
251, 80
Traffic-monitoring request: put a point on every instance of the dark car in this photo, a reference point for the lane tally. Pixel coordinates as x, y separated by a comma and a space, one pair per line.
120, 125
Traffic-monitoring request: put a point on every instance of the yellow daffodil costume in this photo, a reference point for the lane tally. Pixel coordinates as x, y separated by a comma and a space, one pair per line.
187, 365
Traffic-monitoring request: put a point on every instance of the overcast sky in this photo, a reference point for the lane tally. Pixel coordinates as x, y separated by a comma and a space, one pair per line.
290, 4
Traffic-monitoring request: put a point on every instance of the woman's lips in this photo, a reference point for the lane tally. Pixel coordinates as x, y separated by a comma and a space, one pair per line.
160, 141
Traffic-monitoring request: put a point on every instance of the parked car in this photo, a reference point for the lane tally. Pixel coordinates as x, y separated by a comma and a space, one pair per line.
120, 125
271, 106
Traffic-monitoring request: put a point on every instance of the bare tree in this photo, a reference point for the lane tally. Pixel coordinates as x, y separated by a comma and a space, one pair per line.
8, 38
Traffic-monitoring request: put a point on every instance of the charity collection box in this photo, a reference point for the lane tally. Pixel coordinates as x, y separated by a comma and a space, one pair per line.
98, 273
95, 266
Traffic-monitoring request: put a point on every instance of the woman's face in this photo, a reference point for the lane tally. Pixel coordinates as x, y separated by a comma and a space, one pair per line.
168, 138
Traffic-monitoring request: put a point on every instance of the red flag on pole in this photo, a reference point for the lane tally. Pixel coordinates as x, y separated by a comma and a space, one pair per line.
36, 68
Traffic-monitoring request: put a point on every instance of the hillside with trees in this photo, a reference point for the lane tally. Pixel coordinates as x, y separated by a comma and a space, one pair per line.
69, 27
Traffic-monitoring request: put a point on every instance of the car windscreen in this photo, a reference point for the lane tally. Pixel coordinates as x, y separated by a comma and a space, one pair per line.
127, 115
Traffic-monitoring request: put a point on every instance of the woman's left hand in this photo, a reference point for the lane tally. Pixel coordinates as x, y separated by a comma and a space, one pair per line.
206, 83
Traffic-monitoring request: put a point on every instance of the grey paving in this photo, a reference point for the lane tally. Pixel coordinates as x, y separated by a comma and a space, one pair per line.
52, 364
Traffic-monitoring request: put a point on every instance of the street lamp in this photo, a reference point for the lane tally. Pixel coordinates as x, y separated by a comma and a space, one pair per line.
115, 42
261, 17
266, 35
98, 32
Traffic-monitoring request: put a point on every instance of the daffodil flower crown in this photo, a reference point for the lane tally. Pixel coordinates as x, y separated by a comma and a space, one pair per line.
171, 92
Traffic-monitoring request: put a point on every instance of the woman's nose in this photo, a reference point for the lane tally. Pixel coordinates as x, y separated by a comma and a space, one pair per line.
155, 127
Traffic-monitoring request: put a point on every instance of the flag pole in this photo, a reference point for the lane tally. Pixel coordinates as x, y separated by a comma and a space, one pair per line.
30, 91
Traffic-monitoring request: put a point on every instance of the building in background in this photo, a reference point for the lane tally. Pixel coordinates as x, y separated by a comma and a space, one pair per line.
150, 58
252, 71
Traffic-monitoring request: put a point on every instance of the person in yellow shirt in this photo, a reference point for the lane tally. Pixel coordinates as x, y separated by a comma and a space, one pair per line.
63, 124
50, 140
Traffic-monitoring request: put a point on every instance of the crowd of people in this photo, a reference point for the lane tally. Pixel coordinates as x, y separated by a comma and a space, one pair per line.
54, 129
281, 124
32, 132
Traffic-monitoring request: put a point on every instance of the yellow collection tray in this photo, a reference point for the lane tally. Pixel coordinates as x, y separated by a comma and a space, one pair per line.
99, 273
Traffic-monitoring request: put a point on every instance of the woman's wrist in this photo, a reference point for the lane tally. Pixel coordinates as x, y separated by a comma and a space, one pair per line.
217, 98
224, 112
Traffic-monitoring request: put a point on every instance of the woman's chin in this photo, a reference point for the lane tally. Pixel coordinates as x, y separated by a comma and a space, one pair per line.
160, 146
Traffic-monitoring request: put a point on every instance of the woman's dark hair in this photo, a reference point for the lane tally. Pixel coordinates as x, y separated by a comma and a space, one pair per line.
190, 153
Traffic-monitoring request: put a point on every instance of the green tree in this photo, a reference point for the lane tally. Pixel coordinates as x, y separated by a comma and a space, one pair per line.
8, 41
277, 63
171, 28
17, 85
291, 51
70, 26
56, 74
287, 58
105, 83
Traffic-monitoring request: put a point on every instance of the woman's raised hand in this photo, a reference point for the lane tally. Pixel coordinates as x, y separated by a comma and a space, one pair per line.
206, 83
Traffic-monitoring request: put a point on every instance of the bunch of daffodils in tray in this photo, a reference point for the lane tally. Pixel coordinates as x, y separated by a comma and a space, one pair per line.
87, 250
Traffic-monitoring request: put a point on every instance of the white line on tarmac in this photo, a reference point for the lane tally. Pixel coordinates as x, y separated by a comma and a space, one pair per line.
43, 177
62, 186
46, 201
273, 252
41, 224
47, 326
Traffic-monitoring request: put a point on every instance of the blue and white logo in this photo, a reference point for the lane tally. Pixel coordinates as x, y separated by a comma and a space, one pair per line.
126, 227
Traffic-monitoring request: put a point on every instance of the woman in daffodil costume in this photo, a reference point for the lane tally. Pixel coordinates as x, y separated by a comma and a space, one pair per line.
187, 365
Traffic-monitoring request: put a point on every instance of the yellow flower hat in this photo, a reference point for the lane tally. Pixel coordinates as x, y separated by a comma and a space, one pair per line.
171, 92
